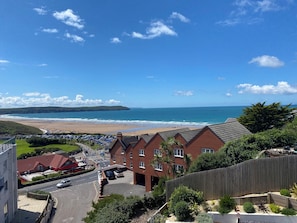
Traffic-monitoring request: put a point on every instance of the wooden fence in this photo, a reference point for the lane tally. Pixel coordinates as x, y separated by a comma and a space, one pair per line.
252, 176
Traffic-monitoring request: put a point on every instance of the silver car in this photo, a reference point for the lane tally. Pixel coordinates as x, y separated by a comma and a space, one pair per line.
64, 183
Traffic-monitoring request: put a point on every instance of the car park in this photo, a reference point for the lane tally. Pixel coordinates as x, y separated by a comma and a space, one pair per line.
64, 183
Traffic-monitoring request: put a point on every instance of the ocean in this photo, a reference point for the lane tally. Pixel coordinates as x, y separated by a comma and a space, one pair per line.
189, 116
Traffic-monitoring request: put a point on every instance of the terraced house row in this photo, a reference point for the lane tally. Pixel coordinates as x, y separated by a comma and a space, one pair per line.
138, 153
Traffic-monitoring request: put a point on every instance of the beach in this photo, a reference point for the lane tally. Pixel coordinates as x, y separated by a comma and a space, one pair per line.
81, 127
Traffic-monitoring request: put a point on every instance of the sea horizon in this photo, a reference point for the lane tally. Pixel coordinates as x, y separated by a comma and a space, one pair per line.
178, 116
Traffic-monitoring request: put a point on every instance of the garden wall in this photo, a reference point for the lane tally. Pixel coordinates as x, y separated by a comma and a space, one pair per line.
252, 176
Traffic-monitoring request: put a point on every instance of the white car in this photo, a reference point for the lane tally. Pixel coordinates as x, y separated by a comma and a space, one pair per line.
64, 183
118, 173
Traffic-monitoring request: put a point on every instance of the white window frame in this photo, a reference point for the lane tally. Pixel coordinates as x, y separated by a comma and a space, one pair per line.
179, 152
141, 165
207, 150
178, 168
157, 152
141, 152
158, 166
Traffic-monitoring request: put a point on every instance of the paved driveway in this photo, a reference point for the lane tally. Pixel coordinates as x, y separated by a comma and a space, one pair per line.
124, 186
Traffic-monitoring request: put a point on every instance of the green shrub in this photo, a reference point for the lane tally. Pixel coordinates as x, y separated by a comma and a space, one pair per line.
288, 211
285, 192
159, 218
204, 218
37, 178
183, 193
248, 207
274, 208
226, 204
182, 211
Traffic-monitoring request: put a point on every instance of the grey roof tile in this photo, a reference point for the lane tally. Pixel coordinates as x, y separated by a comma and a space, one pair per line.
229, 131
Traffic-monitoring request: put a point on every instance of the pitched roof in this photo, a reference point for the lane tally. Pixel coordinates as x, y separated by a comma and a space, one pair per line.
189, 135
129, 140
52, 160
229, 131
171, 133
146, 137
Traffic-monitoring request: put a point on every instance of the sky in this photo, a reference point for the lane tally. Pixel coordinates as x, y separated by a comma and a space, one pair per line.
149, 54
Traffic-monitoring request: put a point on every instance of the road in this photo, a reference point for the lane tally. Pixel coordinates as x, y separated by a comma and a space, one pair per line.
72, 203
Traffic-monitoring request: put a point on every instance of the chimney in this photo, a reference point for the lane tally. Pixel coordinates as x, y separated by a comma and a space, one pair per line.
119, 136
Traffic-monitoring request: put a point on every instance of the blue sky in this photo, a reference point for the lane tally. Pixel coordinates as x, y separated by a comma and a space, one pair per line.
134, 53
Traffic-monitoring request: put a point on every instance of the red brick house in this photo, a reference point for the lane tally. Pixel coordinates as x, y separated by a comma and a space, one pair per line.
45, 162
141, 153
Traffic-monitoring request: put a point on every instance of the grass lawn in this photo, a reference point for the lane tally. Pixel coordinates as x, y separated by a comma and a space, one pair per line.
24, 147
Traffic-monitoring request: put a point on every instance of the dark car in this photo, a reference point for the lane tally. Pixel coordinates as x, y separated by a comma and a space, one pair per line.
110, 175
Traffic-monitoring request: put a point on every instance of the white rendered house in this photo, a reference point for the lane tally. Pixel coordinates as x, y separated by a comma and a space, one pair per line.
8, 181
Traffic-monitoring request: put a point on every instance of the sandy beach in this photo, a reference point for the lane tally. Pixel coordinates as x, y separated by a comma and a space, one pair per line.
92, 127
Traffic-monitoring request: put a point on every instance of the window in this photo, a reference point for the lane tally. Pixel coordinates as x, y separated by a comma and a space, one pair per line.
207, 150
158, 166
124, 161
141, 152
131, 165
178, 153
178, 168
123, 151
141, 165
157, 152
131, 155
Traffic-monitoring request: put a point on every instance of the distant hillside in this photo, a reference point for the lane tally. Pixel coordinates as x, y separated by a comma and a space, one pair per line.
13, 128
27, 110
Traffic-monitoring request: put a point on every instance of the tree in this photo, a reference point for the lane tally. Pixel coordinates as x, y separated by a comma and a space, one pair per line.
166, 155
260, 117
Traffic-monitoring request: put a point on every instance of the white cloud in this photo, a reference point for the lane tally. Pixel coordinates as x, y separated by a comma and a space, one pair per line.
42, 65
40, 11
74, 38
184, 93
50, 30
176, 15
229, 22
156, 29
3, 61
115, 40
282, 87
112, 101
266, 5
228, 94
251, 11
43, 99
267, 61
69, 18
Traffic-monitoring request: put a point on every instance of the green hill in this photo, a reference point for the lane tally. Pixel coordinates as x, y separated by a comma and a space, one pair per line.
27, 110
13, 128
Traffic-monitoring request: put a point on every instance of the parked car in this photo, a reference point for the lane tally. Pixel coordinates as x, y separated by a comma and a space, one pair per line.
110, 175
64, 183
118, 173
